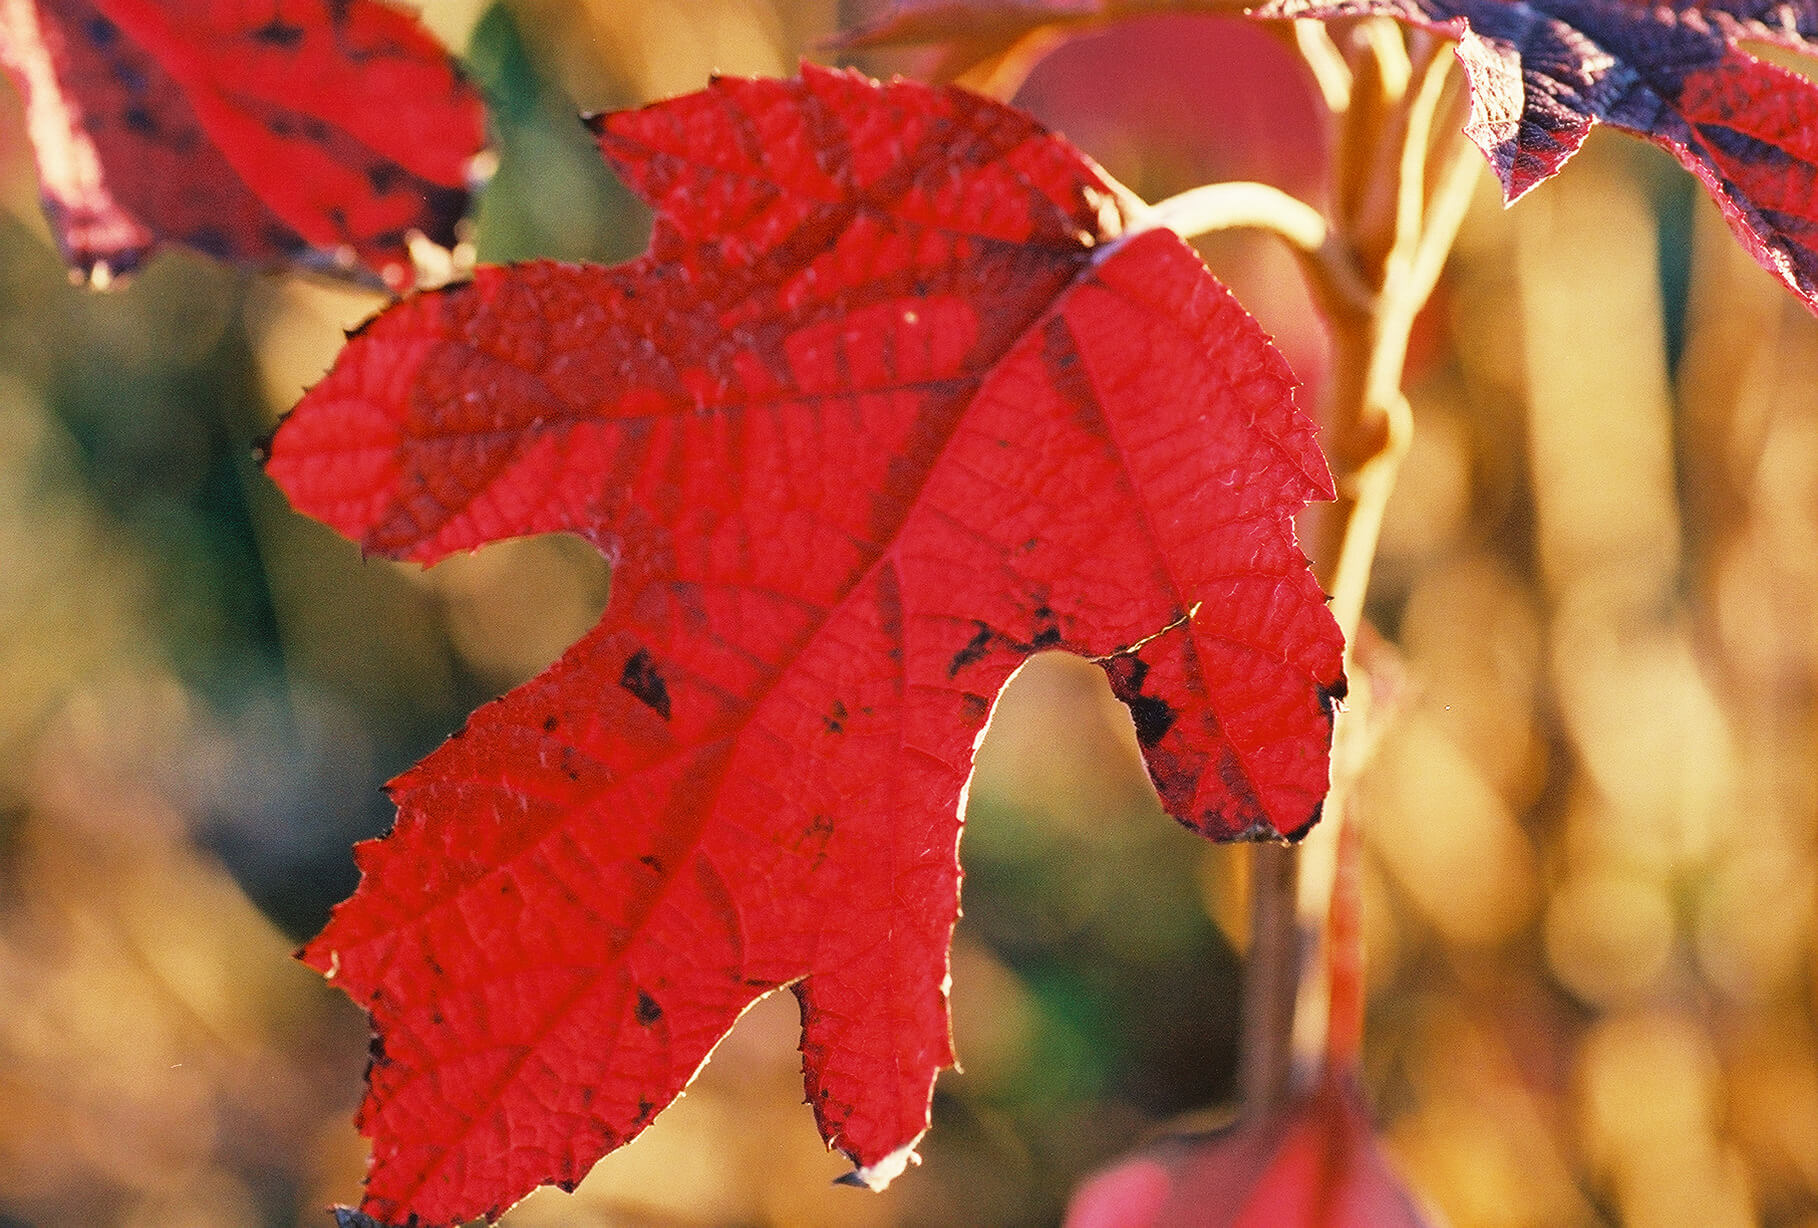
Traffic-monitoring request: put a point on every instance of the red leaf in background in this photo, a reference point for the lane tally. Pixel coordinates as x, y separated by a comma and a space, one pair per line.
316, 131
973, 37
895, 399
1311, 1163
1543, 71
1315, 1165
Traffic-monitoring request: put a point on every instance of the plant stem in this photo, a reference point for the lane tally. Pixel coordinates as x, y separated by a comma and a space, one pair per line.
1271, 979
1401, 194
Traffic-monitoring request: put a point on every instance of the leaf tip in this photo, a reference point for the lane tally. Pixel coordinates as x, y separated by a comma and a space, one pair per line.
877, 1177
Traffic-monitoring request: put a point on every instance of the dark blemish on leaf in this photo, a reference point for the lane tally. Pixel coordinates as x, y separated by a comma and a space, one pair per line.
139, 120
1293, 836
1153, 718
375, 1052
646, 1110
890, 609
1126, 672
569, 763
101, 32
1047, 633
587, 1097
1245, 815
836, 719
436, 1018
287, 240
549, 724
654, 863
974, 708
211, 240
974, 651
316, 130
645, 684
383, 176
435, 965
1334, 695
648, 1010
815, 836
279, 33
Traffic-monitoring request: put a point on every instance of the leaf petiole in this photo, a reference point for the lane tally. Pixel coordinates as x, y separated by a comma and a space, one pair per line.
1245, 204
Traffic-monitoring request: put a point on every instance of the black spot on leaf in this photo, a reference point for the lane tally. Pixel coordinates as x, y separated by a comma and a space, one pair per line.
383, 176
1153, 718
646, 685
1332, 696
279, 33
974, 651
648, 1011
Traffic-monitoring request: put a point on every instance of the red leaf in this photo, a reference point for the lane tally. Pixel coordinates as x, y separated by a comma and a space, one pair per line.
1543, 71
973, 33
893, 401
317, 131
1315, 1165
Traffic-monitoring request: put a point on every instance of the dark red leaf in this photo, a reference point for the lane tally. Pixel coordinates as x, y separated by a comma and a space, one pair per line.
1543, 71
317, 131
896, 399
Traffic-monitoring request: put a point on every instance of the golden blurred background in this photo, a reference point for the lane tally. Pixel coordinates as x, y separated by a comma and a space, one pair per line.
1592, 825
